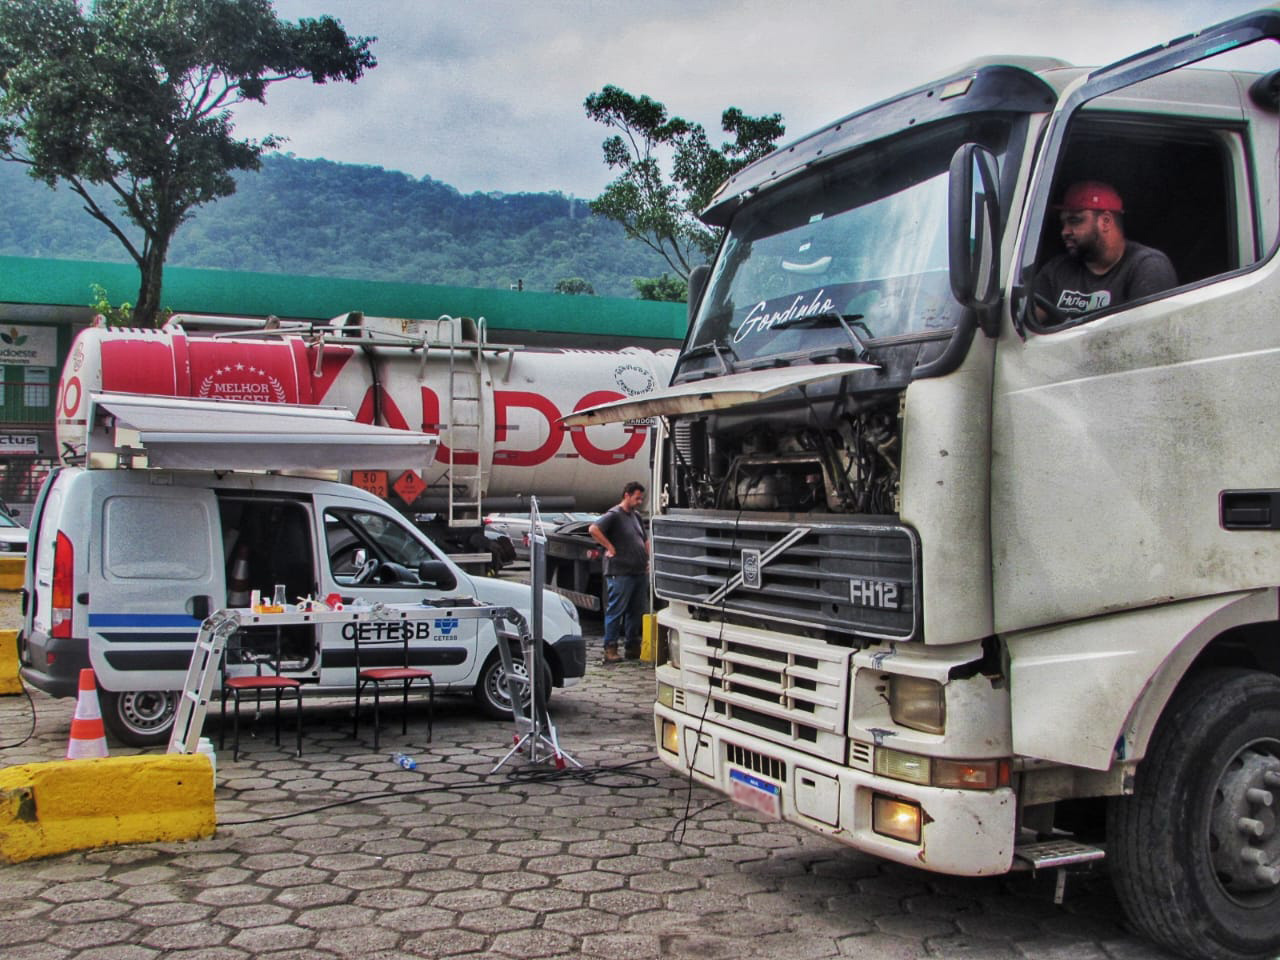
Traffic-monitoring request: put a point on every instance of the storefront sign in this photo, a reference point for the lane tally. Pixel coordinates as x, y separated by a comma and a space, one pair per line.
28, 346
11, 443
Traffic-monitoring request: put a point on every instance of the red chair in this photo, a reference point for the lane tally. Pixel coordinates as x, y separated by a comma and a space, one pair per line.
256, 683
377, 670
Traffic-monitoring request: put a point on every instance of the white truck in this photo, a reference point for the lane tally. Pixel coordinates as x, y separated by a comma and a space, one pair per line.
968, 585
168, 515
495, 409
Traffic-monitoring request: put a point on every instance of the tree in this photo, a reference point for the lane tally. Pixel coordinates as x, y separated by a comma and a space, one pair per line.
129, 103
661, 209
667, 288
575, 285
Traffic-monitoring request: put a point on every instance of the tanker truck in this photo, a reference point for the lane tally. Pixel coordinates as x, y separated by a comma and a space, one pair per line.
496, 410
967, 568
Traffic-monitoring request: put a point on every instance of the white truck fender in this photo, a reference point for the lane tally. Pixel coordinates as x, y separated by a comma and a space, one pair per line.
1078, 688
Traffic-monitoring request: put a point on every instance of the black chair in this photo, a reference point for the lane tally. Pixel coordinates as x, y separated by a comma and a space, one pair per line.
382, 671
256, 683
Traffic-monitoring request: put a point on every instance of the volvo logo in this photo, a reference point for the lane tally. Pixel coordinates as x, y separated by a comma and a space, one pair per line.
751, 569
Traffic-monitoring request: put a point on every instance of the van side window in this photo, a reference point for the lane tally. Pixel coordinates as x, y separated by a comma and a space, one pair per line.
152, 539
366, 547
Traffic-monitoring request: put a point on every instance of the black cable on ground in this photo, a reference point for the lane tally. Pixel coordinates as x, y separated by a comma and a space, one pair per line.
594, 775
30, 733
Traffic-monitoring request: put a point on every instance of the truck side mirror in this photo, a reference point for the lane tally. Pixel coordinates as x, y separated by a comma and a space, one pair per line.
973, 224
436, 573
697, 286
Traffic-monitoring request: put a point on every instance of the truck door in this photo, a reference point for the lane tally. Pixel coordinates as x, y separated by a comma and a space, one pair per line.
155, 573
1119, 431
375, 555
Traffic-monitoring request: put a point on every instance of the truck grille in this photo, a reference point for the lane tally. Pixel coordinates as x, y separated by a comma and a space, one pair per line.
857, 579
788, 691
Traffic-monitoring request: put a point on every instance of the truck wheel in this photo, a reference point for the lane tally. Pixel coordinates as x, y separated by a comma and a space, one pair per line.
140, 718
1195, 851
491, 693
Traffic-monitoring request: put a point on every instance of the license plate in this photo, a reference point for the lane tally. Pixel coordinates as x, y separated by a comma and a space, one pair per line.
756, 793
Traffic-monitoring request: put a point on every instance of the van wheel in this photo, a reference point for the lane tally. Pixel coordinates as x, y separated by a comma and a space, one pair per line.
140, 718
491, 693
1195, 852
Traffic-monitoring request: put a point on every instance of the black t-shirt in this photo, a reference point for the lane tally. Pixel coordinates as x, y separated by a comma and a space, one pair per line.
626, 533
1076, 290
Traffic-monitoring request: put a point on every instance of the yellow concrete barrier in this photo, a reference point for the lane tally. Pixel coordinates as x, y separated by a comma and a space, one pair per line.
49, 808
11, 571
9, 681
649, 639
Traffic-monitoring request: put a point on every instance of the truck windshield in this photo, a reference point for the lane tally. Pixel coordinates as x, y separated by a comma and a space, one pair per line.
863, 241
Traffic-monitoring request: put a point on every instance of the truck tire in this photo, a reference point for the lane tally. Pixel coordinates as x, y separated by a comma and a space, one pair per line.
1194, 853
491, 694
140, 718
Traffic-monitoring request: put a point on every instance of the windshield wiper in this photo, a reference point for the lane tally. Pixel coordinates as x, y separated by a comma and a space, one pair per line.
713, 347
847, 323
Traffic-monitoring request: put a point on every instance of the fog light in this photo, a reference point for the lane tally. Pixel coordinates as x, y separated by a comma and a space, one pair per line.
667, 695
917, 703
670, 737
902, 766
895, 818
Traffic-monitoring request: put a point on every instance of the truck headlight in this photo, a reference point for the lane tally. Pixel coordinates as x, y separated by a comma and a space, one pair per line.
917, 703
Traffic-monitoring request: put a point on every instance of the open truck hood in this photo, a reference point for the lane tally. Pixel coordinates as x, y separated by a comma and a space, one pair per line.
184, 434
714, 393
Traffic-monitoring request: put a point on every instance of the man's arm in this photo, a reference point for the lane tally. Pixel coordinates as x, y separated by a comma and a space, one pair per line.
598, 536
1152, 273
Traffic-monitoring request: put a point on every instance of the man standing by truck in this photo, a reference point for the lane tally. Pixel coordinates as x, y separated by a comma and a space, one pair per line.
626, 564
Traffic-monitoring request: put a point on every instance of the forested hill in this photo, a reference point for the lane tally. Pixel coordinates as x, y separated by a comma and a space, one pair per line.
317, 218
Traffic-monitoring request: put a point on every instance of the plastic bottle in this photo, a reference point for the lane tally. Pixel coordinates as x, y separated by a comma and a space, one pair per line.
405, 761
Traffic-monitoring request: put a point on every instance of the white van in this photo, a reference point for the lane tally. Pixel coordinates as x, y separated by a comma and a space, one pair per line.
126, 563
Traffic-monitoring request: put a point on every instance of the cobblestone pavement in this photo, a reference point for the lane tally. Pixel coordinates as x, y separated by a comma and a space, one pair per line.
365, 859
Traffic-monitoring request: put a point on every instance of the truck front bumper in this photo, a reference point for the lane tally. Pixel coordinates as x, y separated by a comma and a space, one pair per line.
962, 832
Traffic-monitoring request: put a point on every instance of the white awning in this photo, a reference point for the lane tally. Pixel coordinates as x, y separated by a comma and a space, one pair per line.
186, 434
714, 393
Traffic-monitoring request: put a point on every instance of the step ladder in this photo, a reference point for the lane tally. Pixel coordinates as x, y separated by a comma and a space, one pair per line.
205, 667
464, 426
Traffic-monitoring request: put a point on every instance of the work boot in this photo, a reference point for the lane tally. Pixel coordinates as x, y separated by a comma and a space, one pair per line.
611, 655
633, 651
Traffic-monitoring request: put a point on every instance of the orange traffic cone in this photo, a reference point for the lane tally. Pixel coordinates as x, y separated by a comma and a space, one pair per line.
238, 585
88, 739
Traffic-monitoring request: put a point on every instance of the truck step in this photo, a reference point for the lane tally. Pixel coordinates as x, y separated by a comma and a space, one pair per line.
1046, 854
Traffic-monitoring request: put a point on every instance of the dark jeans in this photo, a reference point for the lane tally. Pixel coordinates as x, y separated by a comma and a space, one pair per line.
624, 610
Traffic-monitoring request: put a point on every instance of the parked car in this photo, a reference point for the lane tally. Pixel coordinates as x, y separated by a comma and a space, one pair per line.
13, 535
516, 526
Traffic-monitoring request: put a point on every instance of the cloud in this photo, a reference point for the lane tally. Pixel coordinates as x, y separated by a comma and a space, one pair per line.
488, 95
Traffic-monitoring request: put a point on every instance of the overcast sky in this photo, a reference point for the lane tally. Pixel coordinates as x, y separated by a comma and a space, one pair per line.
487, 95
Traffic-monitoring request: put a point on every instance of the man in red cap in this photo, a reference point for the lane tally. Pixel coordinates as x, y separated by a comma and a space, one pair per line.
1100, 268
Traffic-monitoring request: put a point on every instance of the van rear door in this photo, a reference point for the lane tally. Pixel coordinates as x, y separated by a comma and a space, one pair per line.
157, 573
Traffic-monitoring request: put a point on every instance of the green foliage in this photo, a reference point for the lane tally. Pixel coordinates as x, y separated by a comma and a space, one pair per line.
319, 218
574, 285
666, 288
661, 209
129, 104
120, 315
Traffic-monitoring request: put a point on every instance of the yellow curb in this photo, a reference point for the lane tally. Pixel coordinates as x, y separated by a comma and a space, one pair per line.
11, 572
9, 681
49, 808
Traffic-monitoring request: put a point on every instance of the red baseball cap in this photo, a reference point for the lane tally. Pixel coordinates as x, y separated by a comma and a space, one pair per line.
1091, 195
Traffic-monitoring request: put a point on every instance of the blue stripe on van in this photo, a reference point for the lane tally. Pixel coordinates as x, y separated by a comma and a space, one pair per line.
142, 620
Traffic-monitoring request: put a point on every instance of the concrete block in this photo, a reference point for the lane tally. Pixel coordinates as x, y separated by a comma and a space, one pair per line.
50, 808
9, 681
11, 572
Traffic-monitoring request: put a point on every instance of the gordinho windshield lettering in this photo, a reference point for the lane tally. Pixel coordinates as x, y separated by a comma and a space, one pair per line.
863, 242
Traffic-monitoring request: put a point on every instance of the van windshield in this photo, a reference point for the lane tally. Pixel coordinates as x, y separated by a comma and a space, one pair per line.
857, 250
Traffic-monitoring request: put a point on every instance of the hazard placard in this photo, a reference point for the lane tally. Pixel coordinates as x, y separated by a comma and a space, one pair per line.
375, 481
409, 486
